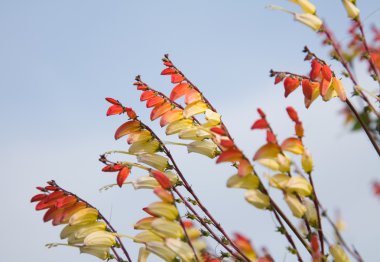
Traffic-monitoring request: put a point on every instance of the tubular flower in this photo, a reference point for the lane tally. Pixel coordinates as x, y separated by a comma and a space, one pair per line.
306, 6
352, 11
309, 19
245, 245
163, 233
84, 228
257, 198
297, 208
338, 253
204, 147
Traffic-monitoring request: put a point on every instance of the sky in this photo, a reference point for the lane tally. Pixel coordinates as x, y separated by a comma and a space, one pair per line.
60, 59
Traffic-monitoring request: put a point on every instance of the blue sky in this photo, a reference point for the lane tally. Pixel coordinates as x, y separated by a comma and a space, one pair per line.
59, 59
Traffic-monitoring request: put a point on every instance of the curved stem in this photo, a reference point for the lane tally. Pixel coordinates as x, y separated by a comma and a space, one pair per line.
364, 126
203, 223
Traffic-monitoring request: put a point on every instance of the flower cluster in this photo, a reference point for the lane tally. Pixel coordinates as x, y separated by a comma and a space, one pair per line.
84, 228
321, 81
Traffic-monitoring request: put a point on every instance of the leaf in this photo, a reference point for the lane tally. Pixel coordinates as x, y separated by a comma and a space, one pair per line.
115, 110
231, 155
147, 95
122, 176
168, 71
267, 151
293, 145
260, 124
179, 90
160, 110
177, 78
127, 128
153, 101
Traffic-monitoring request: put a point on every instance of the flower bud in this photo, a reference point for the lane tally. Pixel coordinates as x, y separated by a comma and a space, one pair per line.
306, 6
312, 21
161, 209
352, 11
299, 185
311, 214
297, 208
143, 255
161, 178
279, 181
84, 216
100, 238
144, 223
148, 147
204, 147
257, 198
167, 229
246, 182
145, 182
338, 253
156, 161
161, 250
147, 236
100, 252
182, 249
164, 195
307, 161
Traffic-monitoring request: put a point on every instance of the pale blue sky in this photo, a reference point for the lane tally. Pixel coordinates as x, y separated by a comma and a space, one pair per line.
59, 59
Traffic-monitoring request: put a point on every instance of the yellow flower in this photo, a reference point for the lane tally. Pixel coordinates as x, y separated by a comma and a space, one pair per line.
306, 6
84, 216
167, 229
204, 147
147, 236
99, 251
161, 250
162, 209
100, 238
338, 253
182, 249
154, 160
351, 9
245, 182
257, 198
297, 208
299, 185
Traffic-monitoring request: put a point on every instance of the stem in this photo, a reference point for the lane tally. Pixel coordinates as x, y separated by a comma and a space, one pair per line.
369, 134
184, 229
343, 61
316, 204
100, 216
217, 225
341, 239
189, 206
288, 236
190, 190
365, 44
